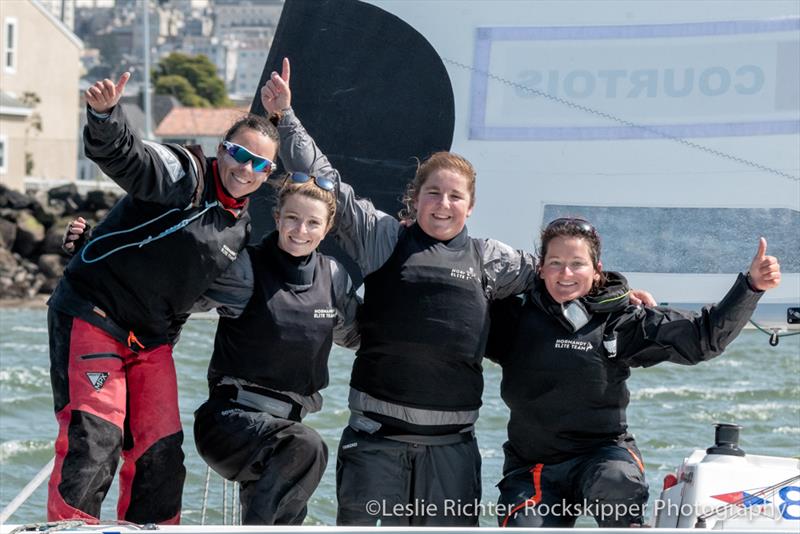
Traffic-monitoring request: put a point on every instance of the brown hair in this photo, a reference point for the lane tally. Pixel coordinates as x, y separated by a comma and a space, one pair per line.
435, 162
574, 227
309, 189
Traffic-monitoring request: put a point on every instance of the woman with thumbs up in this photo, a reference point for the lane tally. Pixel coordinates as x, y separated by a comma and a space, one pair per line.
566, 350
118, 310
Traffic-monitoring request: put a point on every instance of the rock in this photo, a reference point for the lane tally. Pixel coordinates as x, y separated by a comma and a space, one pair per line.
63, 192
54, 236
34, 285
57, 207
69, 195
49, 285
51, 265
8, 263
100, 200
14, 199
30, 233
8, 234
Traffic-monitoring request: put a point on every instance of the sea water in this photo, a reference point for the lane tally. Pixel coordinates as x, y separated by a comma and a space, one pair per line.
672, 411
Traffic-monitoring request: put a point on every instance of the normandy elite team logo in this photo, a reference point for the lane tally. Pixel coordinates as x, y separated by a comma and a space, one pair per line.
97, 380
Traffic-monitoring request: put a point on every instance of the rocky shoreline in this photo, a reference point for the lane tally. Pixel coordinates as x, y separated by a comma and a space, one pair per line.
31, 230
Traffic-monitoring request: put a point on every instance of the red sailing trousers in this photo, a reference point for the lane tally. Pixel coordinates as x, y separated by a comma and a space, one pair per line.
111, 400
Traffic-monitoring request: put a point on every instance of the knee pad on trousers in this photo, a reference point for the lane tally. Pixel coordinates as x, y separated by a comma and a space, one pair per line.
90, 463
622, 488
157, 486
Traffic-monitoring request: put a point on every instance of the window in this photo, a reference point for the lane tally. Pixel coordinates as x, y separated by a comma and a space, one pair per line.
10, 45
688, 240
3, 151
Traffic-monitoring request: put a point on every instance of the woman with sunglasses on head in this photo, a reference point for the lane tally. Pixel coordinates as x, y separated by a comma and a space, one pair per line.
281, 307
118, 310
417, 378
566, 350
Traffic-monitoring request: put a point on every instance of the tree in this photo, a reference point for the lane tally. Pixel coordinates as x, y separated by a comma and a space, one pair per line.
29, 98
200, 75
180, 88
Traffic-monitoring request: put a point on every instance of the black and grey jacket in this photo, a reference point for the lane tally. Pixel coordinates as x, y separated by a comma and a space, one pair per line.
278, 318
565, 386
149, 289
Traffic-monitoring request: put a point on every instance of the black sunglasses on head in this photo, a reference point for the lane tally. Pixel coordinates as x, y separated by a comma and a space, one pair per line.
582, 224
322, 183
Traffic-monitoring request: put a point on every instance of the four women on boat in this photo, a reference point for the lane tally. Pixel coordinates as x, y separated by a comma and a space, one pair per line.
566, 347
115, 315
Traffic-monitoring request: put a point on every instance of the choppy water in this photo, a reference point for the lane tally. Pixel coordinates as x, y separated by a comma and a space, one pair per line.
672, 411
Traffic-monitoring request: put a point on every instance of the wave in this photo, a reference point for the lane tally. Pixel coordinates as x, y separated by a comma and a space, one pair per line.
16, 448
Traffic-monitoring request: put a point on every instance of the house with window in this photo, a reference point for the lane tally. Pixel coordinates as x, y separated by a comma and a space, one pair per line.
198, 126
40, 68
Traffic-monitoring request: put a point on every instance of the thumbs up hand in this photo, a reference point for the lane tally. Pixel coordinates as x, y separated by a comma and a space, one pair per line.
104, 95
276, 94
765, 271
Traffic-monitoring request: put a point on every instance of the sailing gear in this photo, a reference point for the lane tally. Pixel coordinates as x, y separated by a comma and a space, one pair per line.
105, 394
113, 321
419, 293
432, 485
270, 361
133, 286
566, 388
283, 338
607, 483
440, 285
571, 397
278, 461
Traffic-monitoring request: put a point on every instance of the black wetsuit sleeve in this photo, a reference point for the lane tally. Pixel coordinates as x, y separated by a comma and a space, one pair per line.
345, 332
148, 171
504, 316
231, 291
648, 336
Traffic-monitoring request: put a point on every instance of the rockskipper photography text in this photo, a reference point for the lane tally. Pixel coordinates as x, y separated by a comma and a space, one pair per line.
459, 508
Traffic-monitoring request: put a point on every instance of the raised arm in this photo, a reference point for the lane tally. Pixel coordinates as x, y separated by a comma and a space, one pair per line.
647, 336
366, 234
148, 171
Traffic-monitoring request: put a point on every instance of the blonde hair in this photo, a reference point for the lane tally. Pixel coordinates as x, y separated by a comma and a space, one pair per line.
307, 189
435, 162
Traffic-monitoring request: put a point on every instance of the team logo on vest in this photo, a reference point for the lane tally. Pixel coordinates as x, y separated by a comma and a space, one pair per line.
573, 344
324, 313
461, 274
97, 380
230, 254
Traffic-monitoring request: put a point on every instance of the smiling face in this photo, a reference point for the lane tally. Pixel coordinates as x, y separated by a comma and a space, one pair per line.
567, 268
302, 223
239, 179
443, 204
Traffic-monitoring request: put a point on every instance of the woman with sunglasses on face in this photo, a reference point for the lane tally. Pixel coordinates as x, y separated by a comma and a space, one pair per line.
566, 350
117, 312
417, 378
281, 307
